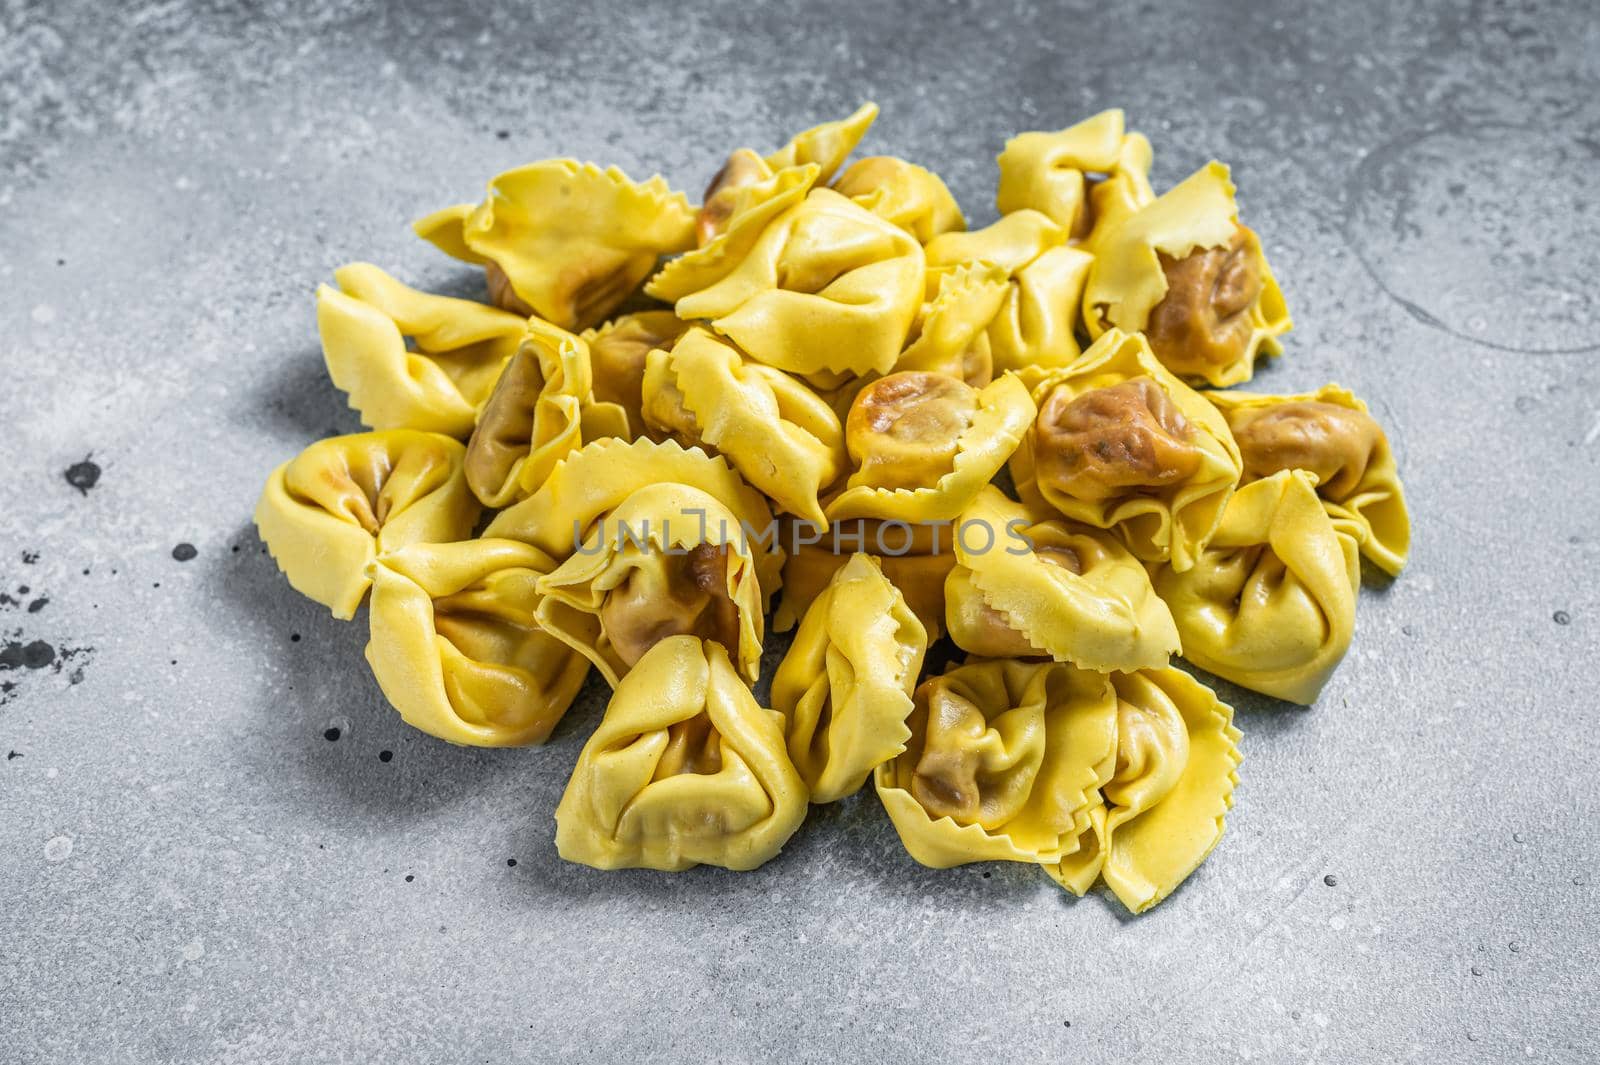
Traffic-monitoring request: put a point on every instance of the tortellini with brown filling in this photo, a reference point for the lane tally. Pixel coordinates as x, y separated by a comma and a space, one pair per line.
916, 557
1036, 324
826, 287
904, 193
1120, 443
564, 240
1003, 762
777, 432
924, 444
1270, 603
1187, 274
328, 512
669, 561
586, 487
542, 408
617, 353
685, 769
1163, 810
460, 349
1058, 173
1024, 587
1329, 433
844, 688
455, 647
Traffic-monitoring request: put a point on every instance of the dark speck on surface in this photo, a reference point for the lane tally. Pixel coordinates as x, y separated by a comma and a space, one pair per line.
29, 557
17, 655
503, 134
330, 734
38, 605
409, 878
184, 552
13, 754
1331, 880
385, 756
1562, 617
1476, 971
83, 475
511, 863
294, 637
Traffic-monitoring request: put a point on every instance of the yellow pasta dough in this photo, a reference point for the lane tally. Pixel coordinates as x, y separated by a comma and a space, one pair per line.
951, 333
1162, 812
1056, 173
617, 353
1035, 326
1270, 603
460, 349
915, 557
924, 444
592, 482
779, 434
565, 240
1330, 433
670, 560
1183, 271
844, 687
826, 286
1028, 587
903, 193
1120, 443
455, 647
684, 769
542, 408
1003, 762
328, 512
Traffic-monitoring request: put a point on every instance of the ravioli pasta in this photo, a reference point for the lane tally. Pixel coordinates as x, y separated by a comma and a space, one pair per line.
817, 393
685, 769
329, 511
455, 647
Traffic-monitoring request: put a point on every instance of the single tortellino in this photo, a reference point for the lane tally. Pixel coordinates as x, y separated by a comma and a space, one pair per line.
924, 444
1329, 433
951, 333
844, 688
1270, 604
1163, 810
459, 350
617, 353
1003, 762
779, 434
590, 483
825, 286
818, 152
669, 561
913, 198
1120, 443
565, 240
1055, 173
329, 511
916, 557
685, 769
1036, 325
1024, 587
1184, 271
455, 647
542, 408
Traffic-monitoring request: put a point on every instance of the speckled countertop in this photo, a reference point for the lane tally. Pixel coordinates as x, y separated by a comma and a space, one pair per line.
217, 844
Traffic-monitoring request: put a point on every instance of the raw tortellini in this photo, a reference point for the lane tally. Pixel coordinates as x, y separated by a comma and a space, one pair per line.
685, 769
1183, 271
844, 688
460, 349
847, 409
1161, 812
542, 408
455, 646
1270, 604
1329, 433
1002, 764
329, 511
564, 240
1051, 588
1120, 443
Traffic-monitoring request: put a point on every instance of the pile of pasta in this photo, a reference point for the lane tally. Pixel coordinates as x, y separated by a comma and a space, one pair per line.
818, 402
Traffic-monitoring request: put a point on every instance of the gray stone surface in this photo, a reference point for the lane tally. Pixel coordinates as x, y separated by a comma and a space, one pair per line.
190, 871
